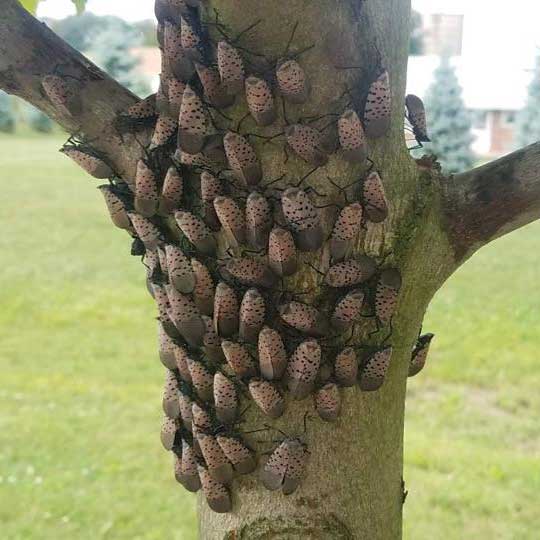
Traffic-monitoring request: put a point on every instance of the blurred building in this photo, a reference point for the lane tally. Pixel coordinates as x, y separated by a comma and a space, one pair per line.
493, 52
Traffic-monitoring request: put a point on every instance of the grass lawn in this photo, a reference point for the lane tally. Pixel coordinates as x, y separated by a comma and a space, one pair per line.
80, 456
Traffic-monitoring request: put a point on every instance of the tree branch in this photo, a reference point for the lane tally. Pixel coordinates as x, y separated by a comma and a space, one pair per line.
490, 201
29, 50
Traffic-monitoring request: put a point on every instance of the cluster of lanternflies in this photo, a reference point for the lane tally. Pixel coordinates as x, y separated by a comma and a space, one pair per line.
223, 339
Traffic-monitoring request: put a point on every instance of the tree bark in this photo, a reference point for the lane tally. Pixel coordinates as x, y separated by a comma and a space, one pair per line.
353, 485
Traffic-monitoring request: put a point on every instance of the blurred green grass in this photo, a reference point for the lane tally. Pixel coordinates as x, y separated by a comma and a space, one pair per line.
79, 447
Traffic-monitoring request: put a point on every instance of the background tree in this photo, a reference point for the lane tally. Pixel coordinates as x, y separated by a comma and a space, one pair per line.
353, 486
449, 122
528, 124
37, 120
416, 43
7, 118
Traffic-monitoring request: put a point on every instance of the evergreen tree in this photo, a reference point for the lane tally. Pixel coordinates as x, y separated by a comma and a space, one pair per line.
528, 125
7, 118
449, 123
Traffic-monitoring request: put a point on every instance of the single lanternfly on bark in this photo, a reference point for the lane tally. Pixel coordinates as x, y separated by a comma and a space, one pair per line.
378, 107
171, 405
252, 314
196, 232
62, 93
91, 163
148, 233
175, 94
250, 272
386, 295
303, 368
305, 141
351, 272
374, 369
117, 209
186, 317
303, 218
146, 191
169, 431
232, 219
171, 194
242, 159
267, 397
328, 402
186, 468
351, 137
419, 354
416, 115
139, 116
164, 131
239, 359
231, 68
285, 467
216, 494
214, 91
282, 252
181, 363
178, 60
242, 458
202, 378
346, 367
210, 189
226, 310
166, 348
179, 269
192, 123
304, 318
347, 310
374, 198
347, 226
203, 294
218, 465
191, 41
225, 398
260, 101
272, 354
292, 83
259, 220
186, 409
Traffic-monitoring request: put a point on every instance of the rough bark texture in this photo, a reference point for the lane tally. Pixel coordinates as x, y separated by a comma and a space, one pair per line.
353, 486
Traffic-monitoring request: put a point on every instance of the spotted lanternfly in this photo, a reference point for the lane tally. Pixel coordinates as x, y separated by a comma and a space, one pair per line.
267, 397
194, 160
212, 342
225, 398
196, 232
250, 272
305, 141
93, 165
162, 255
116, 208
61, 94
346, 367
282, 252
304, 318
218, 465
242, 159
241, 457
378, 107
179, 269
214, 92
348, 224
146, 193
192, 123
175, 93
303, 218
146, 231
171, 406
374, 370
258, 220
210, 189
351, 272
202, 379
216, 494
419, 354
170, 9
162, 301
231, 68
164, 131
252, 313
347, 310
374, 198
328, 402
171, 194
202, 422
179, 61
302, 369
292, 83
203, 294
260, 101
239, 359
145, 109
186, 317
272, 354
225, 310
231, 218
186, 469
186, 409
386, 294
166, 348
169, 429
351, 137
285, 466
191, 41
416, 115
181, 364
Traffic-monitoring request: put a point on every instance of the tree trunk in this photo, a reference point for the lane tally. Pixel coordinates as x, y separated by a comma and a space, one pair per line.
353, 486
